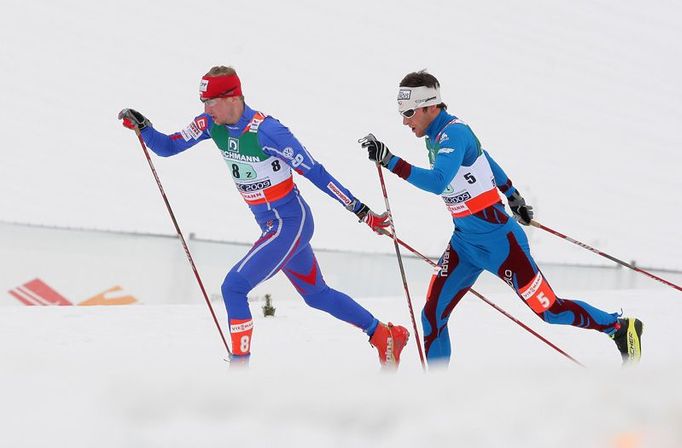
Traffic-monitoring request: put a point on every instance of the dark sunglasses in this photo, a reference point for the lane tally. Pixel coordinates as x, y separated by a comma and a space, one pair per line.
409, 113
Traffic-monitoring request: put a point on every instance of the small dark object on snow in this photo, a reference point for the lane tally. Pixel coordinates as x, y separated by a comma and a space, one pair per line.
268, 309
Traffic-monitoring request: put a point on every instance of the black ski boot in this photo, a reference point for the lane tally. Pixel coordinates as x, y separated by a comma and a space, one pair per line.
628, 338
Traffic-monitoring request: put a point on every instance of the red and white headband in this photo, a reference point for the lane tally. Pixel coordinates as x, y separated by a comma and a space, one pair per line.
221, 86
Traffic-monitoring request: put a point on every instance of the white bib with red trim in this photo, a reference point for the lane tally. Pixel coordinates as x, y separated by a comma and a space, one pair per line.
259, 177
472, 189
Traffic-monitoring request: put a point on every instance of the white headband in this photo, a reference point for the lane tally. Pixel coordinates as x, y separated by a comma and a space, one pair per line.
414, 97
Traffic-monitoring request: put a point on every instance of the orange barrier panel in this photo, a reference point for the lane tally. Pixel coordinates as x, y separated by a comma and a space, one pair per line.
107, 298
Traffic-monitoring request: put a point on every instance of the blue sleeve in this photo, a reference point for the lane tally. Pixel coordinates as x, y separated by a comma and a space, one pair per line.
277, 140
169, 145
450, 157
501, 180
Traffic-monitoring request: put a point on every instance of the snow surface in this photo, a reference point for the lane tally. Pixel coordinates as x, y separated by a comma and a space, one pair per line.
579, 101
154, 376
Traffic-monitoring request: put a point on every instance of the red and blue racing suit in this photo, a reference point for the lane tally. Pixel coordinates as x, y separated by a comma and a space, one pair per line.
485, 237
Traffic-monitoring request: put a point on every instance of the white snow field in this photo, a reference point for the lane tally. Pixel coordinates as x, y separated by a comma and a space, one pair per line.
580, 102
153, 376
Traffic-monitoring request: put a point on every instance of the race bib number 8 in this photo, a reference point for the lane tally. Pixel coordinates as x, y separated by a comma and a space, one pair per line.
241, 331
242, 171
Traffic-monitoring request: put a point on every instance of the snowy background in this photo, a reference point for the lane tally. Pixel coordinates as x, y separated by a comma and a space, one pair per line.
580, 102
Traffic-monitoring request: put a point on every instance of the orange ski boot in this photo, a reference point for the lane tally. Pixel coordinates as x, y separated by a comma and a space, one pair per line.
389, 340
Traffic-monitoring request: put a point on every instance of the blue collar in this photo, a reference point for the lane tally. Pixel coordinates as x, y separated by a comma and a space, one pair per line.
438, 123
245, 119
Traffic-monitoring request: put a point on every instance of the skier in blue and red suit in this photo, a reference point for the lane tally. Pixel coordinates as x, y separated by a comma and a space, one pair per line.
485, 238
261, 153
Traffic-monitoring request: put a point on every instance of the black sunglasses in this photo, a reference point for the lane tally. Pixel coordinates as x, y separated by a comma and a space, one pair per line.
409, 113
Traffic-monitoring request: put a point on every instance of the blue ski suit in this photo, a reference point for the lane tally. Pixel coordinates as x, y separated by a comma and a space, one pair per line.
261, 153
485, 237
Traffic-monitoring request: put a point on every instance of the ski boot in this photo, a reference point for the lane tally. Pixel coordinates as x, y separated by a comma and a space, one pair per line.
389, 340
628, 337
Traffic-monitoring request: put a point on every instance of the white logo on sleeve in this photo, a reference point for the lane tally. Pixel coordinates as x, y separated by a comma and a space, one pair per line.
191, 132
338, 193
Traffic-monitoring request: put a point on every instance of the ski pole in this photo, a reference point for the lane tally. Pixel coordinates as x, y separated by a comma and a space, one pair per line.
480, 296
182, 239
598, 252
417, 338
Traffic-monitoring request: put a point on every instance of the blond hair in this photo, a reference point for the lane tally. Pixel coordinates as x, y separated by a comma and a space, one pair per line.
220, 70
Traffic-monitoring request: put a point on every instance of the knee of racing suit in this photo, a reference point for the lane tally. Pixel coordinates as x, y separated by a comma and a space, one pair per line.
235, 288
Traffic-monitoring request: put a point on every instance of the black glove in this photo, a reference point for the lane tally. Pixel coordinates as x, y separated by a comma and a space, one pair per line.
377, 151
522, 212
133, 119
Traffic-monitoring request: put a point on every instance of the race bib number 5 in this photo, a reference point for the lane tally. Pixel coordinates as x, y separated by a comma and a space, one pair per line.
538, 295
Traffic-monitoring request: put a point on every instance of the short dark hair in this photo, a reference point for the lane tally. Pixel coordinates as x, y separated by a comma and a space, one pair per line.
419, 79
